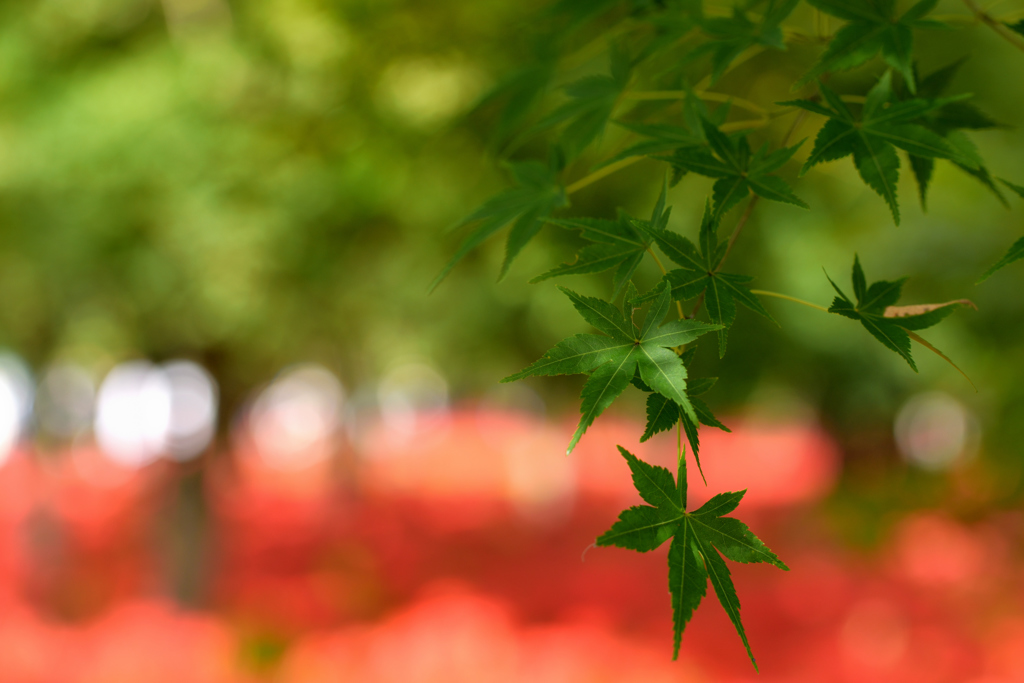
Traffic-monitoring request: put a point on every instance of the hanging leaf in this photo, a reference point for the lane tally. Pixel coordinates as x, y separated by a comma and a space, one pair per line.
872, 27
888, 323
613, 360
527, 206
738, 171
872, 138
699, 540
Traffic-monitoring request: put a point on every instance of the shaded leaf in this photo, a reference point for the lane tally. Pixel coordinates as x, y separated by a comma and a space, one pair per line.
872, 28
527, 205
890, 324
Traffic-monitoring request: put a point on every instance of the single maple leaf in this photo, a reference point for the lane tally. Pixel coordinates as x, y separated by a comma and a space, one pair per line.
699, 539
872, 138
892, 325
667, 137
872, 27
613, 360
949, 119
591, 102
698, 273
739, 172
613, 244
527, 206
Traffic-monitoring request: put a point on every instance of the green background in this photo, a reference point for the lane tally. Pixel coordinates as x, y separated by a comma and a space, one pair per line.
266, 183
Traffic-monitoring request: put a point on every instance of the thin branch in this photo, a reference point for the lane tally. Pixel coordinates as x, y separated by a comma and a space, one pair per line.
740, 225
679, 305
764, 292
747, 124
996, 25
601, 173
702, 94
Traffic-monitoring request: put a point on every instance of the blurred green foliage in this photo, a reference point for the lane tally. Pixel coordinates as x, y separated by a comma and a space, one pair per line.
252, 184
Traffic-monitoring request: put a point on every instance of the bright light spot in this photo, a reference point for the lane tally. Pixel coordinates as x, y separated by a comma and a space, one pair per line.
409, 390
935, 431
64, 401
295, 421
15, 401
312, 39
193, 416
427, 92
133, 414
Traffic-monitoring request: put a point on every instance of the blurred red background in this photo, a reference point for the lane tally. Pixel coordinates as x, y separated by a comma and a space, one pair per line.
457, 547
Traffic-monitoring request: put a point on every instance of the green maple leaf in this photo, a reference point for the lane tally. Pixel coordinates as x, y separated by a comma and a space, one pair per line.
527, 206
947, 118
699, 273
520, 91
872, 27
613, 360
1016, 251
590, 104
666, 137
731, 35
699, 539
613, 244
739, 172
663, 414
671, 21
892, 325
873, 137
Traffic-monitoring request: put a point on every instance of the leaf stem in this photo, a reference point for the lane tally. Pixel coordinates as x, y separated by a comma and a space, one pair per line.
702, 94
681, 457
996, 25
764, 292
910, 333
602, 173
740, 225
679, 304
746, 124
650, 250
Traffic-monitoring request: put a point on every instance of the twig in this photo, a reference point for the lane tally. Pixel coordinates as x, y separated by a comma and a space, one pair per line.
601, 173
764, 292
702, 94
679, 305
996, 25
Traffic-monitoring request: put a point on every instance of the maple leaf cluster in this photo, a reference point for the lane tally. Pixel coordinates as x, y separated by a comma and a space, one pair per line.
651, 105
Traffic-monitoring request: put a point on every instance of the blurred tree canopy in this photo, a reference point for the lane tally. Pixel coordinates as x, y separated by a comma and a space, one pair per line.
252, 184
